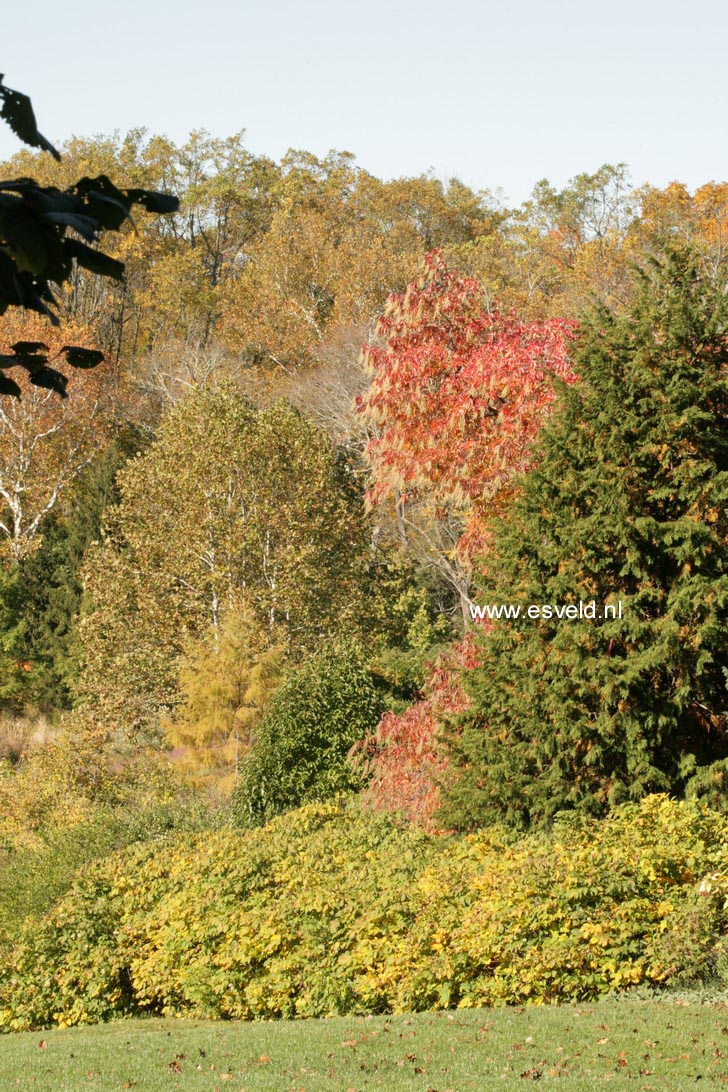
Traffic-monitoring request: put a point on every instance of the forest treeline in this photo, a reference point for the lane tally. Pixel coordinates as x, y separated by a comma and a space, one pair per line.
258, 295
238, 564
289, 263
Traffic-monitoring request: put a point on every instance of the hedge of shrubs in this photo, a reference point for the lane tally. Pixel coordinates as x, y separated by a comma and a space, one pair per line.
332, 910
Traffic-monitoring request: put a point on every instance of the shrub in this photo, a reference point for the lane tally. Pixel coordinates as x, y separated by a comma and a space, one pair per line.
330, 909
34, 877
284, 921
300, 755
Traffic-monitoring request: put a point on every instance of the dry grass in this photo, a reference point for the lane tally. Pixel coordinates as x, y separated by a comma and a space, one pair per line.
22, 733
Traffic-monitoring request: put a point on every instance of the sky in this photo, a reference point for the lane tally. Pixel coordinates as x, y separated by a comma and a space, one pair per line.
498, 95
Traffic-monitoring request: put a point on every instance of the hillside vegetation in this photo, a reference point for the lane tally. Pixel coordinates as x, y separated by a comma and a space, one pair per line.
280, 732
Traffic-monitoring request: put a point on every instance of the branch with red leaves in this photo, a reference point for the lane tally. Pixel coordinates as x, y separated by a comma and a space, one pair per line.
458, 395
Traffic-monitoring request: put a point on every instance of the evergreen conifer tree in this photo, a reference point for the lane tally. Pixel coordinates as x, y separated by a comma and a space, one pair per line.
628, 504
46, 645
40, 598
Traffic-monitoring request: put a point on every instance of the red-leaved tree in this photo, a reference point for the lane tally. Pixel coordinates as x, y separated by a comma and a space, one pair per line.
458, 394
402, 759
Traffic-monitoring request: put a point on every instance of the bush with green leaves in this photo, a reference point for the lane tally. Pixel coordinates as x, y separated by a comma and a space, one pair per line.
300, 754
33, 878
331, 910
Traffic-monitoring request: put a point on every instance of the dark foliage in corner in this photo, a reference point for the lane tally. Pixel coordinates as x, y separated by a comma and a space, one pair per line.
37, 251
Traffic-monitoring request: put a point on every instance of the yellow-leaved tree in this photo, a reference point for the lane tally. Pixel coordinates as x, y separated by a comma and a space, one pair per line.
226, 503
226, 678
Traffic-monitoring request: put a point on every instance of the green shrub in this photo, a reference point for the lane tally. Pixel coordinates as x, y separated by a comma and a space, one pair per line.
281, 921
300, 752
331, 910
32, 878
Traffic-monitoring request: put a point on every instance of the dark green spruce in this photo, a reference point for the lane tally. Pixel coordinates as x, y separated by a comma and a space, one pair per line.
628, 502
40, 598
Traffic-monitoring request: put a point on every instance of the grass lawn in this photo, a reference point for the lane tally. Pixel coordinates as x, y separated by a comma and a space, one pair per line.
640, 1044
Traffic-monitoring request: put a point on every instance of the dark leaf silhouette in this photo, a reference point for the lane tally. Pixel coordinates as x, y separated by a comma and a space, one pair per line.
17, 111
36, 253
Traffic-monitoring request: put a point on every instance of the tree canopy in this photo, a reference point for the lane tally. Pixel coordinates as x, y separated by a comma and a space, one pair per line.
228, 502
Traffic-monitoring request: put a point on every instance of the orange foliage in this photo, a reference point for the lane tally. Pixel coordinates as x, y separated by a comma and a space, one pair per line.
17, 325
458, 394
403, 758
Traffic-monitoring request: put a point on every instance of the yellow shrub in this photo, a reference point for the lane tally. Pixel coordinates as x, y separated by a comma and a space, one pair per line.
330, 909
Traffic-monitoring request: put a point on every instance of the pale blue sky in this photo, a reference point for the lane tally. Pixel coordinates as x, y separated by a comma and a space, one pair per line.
499, 94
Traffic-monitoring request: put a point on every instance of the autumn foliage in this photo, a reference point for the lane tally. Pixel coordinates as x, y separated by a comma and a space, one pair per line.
458, 394
328, 911
402, 759
44, 445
